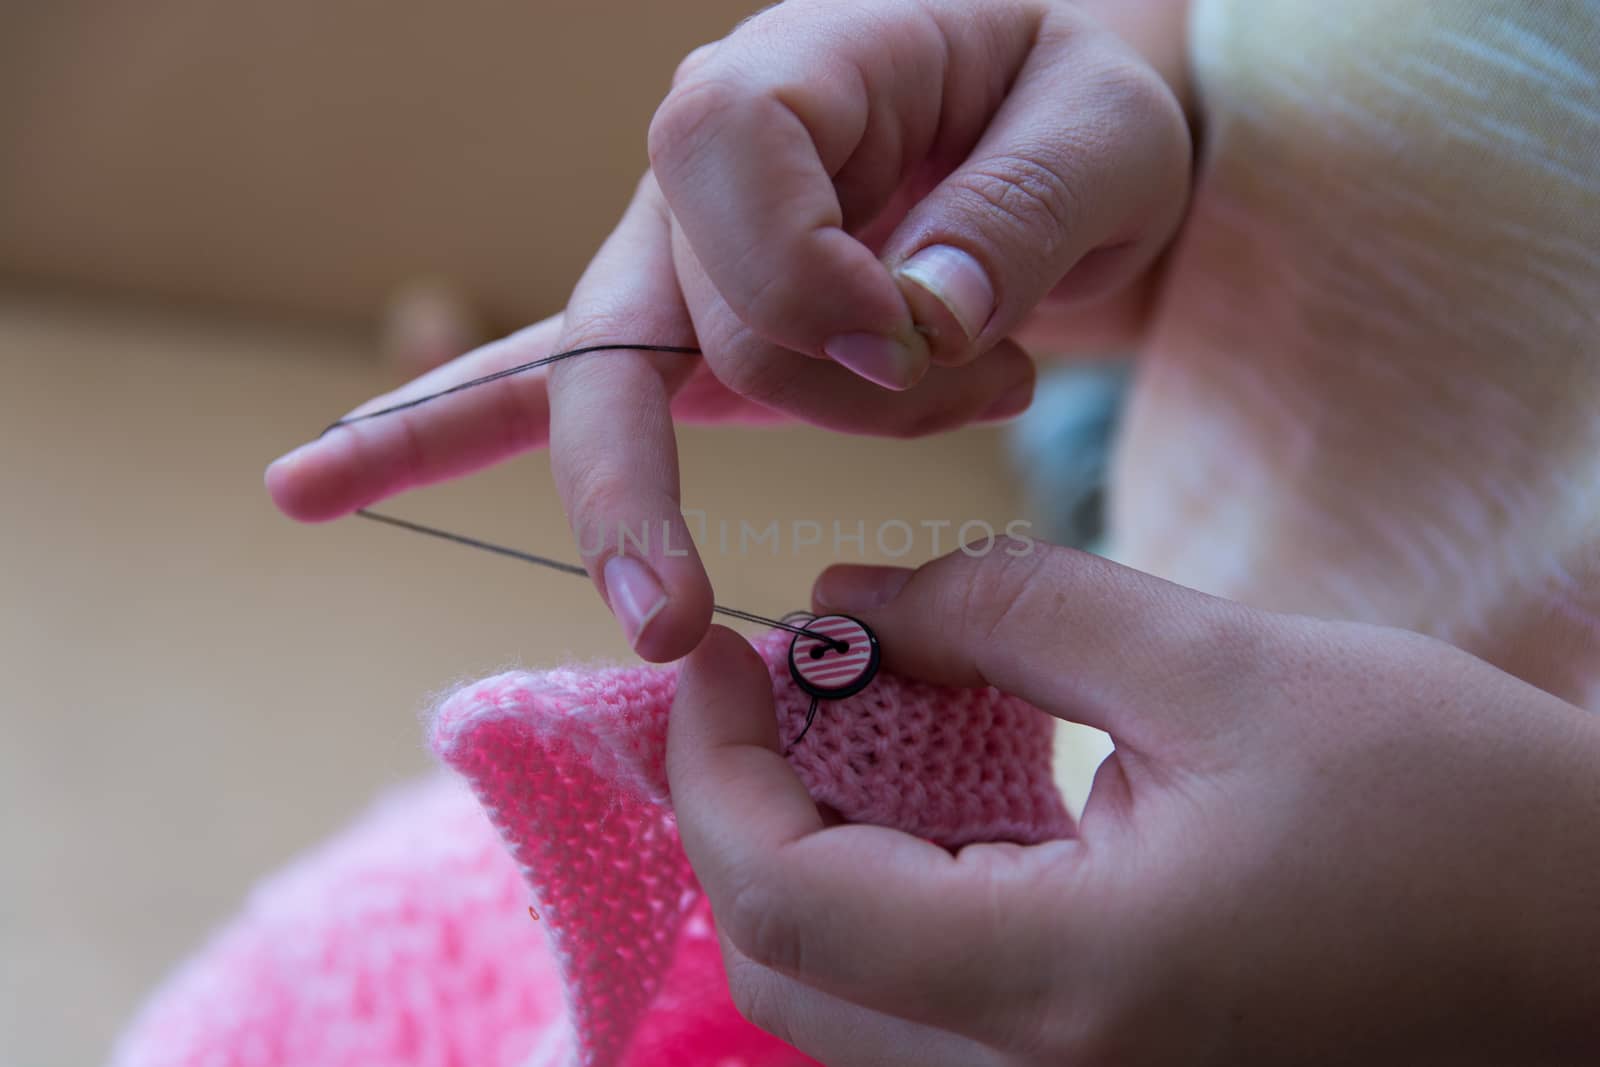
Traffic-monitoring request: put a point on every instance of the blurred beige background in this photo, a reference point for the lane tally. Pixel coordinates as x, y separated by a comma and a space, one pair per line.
302, 158
203, 208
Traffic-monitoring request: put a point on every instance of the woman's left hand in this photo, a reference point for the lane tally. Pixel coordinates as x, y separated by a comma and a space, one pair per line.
1315, 842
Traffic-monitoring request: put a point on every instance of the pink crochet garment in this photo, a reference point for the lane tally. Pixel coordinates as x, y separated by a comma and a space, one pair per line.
407, 940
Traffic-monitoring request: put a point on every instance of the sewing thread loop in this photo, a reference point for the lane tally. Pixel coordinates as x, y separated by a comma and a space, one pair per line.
834, 679
520, 368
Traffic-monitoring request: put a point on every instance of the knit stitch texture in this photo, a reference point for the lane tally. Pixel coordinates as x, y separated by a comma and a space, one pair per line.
407, 941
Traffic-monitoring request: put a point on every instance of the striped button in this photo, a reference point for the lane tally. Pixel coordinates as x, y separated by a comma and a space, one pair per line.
840, 661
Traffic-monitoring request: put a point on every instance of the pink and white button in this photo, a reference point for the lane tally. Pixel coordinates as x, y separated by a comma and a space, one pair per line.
837, 657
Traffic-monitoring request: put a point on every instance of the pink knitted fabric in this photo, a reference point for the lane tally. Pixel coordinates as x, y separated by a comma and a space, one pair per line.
404, 940
622, 970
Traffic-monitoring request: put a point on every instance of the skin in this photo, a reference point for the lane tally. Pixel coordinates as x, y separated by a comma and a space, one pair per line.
1316, 842
874, 132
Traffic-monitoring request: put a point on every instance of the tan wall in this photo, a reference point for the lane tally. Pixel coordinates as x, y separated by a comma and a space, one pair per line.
304, 157
197, 689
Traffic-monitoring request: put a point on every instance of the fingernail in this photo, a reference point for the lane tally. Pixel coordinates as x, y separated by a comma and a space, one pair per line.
852, 587
878, 359
1012, 402
635, 593
957, 281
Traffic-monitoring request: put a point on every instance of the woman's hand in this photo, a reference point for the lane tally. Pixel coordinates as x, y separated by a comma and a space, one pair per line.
850, 207
1314, 843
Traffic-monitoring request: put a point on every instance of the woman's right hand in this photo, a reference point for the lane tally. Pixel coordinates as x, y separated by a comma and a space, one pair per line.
850, 208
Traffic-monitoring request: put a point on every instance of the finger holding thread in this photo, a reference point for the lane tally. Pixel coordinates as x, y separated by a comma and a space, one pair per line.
820, 393
351, 466
612, 446
937, 169
746, 146
871, 916
1074, 177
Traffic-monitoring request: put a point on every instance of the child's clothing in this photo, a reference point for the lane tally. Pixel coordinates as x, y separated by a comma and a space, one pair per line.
408, 941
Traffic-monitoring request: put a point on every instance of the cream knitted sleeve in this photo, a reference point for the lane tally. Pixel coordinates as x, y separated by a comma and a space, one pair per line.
1372, 389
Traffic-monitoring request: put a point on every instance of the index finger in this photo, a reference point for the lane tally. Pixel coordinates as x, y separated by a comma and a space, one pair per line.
869, 915
359, 463
748, 147
612, 446
1082, 637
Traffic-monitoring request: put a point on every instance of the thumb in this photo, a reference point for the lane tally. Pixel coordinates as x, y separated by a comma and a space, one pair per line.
1083, 638
1078, 181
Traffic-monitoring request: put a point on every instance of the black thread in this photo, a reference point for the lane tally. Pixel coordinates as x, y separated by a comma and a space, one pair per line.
811, 716
572, 568
546, 561
508, 372
473, 542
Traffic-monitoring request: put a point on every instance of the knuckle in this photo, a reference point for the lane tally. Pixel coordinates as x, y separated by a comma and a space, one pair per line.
754, 379
1262, 659
729, 317
598, 492
1138, 108
760, 15
607, 318
1028, 197
759, 921
1127, 111
757, 998
768, 300
1131, 91
998, 588
688, 118
744, 365
693, 64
